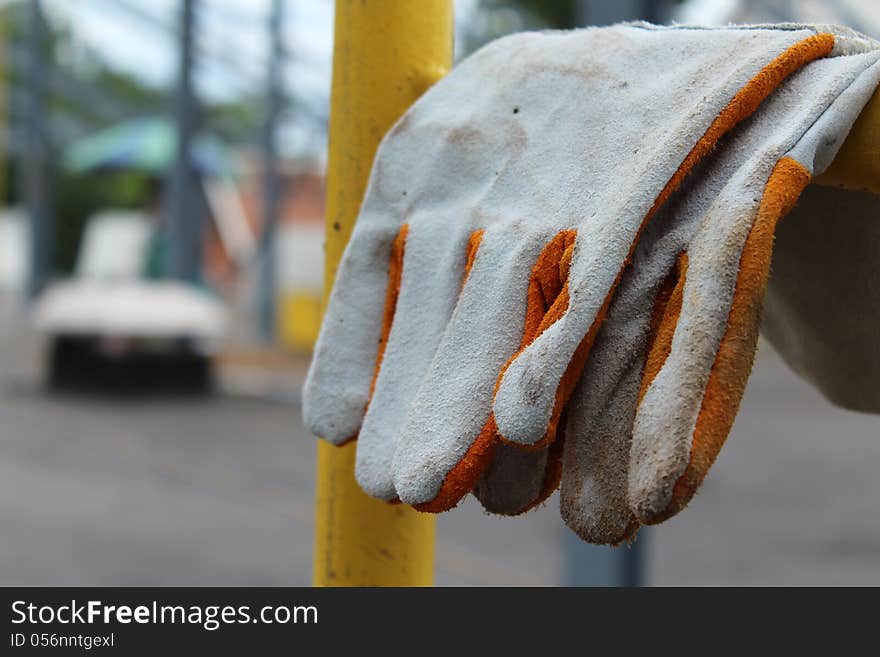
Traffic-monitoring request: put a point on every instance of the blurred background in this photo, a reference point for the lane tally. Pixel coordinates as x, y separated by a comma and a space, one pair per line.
161, 228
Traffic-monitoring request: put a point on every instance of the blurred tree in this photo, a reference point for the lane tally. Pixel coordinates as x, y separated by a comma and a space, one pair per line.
74, 108
84, 94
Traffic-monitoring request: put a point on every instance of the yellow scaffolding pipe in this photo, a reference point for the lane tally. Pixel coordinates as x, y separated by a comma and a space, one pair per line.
857, 165
386, 53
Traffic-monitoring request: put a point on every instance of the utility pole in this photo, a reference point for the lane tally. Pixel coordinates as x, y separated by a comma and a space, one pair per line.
271, 177
36, 185
185, 225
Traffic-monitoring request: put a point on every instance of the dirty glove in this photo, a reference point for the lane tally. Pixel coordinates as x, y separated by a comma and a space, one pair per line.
663, 383
535, 166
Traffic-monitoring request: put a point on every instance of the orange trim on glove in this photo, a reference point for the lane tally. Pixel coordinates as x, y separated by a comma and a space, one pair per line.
736, 353
395, 276
664, 319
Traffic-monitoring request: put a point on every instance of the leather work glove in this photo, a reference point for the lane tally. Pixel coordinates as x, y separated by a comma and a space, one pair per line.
665, 377
599, 202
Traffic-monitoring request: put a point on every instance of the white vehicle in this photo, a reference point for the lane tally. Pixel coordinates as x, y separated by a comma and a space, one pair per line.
108, 325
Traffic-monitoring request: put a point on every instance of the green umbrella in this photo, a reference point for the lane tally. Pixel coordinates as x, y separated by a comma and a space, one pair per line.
147, 144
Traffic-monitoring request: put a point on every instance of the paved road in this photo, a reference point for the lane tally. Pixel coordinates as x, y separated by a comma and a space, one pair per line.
214, 491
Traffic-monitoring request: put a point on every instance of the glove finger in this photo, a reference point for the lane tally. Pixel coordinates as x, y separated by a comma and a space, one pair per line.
425, 279
692, 372
449, 437
338, 384
520, 479
593, 498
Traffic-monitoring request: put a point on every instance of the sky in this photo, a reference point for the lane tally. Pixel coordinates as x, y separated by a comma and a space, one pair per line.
137, 36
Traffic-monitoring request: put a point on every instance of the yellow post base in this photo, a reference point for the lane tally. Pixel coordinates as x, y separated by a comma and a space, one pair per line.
386, 54
364, 542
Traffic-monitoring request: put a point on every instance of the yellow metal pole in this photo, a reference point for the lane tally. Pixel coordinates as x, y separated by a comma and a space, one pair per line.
386, 54
857, 165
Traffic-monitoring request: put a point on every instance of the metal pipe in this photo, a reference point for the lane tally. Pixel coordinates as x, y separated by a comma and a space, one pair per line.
599, 565
385, 55
271, 177
36, 162
185, 225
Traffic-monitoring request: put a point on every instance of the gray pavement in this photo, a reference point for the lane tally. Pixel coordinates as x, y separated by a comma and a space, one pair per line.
218, 491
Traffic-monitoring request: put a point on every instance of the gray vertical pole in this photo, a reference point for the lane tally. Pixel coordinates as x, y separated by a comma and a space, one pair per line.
272, 180
185, 226
599, 565
36, 190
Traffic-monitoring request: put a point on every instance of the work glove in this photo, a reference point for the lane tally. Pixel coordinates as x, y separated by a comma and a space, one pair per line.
823, 299
502, 214
665, 377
